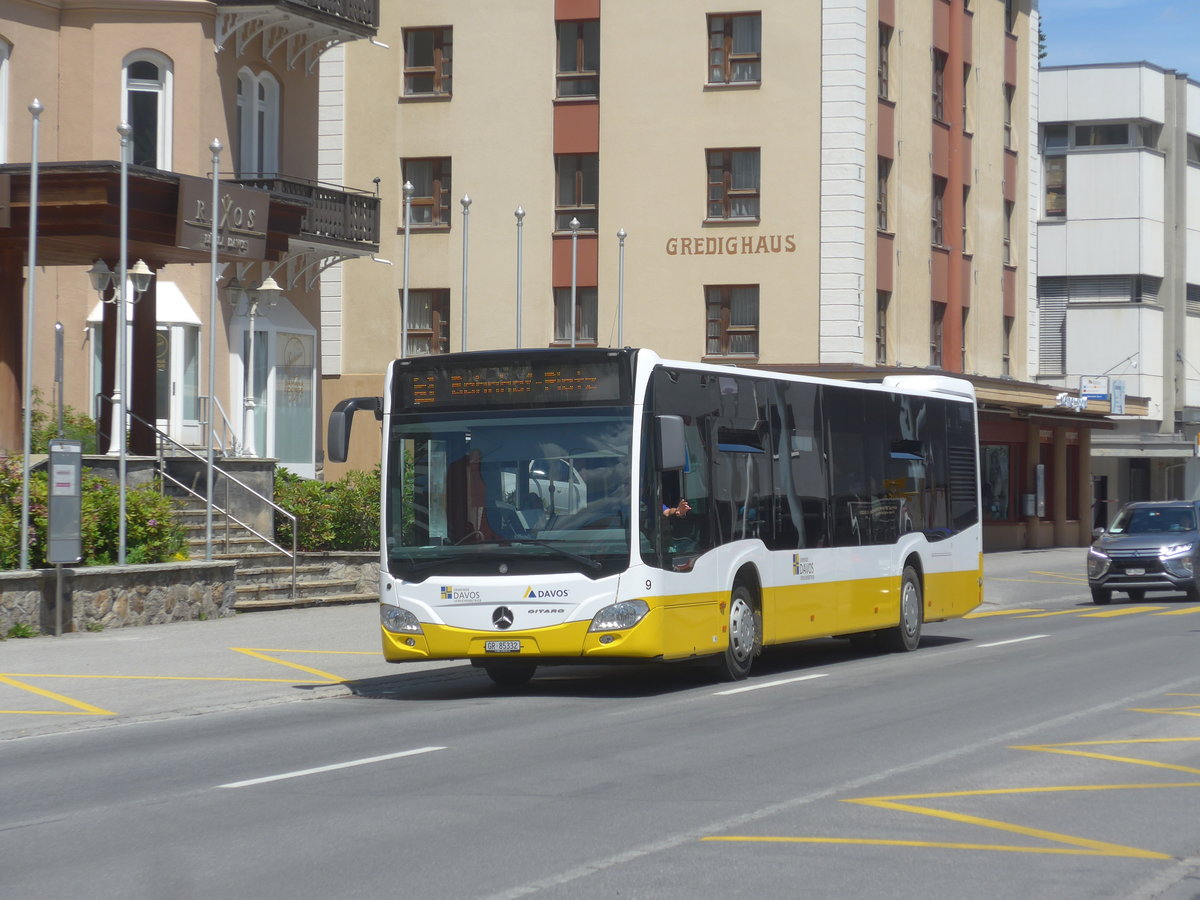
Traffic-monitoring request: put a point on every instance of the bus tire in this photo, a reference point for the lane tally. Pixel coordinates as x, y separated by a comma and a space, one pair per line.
907, 634
734, 664
510, 674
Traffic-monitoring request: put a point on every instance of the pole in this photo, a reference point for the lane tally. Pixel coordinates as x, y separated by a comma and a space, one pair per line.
466, 208
35, 110
124, 130
520, 214
58, 372
621, 235
408, 195
215, 149
574, 273
248, 401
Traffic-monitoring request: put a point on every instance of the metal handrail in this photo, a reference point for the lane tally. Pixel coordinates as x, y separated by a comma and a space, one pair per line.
163, 437
207, 422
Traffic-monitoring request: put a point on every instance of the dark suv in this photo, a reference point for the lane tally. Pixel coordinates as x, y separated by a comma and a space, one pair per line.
1151, 546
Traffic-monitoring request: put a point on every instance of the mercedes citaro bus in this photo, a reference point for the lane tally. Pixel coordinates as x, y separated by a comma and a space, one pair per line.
531, 509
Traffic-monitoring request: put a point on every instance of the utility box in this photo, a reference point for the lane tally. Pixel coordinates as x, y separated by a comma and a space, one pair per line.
64, 542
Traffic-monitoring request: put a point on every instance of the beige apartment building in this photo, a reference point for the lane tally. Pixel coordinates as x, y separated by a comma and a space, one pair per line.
830, 186
181, 74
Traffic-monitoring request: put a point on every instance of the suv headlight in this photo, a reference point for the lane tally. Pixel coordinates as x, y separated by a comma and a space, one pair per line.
398, 621
1097, 563
620, 616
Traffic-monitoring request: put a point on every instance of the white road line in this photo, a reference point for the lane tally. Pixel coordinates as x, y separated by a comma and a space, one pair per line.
1032, 637
767, 684
345, 765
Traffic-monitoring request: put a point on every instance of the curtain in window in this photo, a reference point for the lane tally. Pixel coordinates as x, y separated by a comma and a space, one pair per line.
743, 313
745, 168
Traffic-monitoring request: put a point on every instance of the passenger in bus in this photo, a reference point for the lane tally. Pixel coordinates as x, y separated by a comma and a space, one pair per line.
680, 509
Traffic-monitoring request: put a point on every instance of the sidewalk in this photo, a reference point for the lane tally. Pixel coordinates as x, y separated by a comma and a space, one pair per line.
86, 679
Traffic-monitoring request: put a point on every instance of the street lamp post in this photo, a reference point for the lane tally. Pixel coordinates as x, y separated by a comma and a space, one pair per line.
269, 291
574, 225
520, 214
215, 149
621, 235
408, 195
466, 208
35, 110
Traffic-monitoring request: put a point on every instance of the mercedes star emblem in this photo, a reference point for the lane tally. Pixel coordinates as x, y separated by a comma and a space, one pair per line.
502, 617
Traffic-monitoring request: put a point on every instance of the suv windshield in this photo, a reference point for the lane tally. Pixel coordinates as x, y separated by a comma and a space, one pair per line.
520, 492
1149, 520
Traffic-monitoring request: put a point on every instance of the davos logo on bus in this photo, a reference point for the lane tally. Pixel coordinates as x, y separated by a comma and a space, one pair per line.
546, 594
459, 595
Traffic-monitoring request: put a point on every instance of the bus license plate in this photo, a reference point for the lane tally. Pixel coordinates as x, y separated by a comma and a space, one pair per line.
502, 647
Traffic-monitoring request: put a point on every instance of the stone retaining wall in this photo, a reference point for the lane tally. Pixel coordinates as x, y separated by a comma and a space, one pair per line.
118, 596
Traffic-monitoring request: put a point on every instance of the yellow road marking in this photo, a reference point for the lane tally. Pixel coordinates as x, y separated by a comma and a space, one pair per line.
83, 708
1057, 612
330, 652
1126, 611
162, 678
291, 665
880, 842
1173, 711
999, 612
1180, 612
1065, 751
1080, 579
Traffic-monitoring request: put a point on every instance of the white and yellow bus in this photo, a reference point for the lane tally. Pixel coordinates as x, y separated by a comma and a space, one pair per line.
531, 509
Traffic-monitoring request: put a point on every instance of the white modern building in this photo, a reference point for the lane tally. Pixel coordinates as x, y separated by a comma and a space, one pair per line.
1119, 266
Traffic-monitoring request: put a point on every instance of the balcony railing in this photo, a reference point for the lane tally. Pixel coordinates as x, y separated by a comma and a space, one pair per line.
334, 214
364, 14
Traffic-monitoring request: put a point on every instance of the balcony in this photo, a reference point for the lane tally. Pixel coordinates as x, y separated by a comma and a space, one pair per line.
298, 30
347, 220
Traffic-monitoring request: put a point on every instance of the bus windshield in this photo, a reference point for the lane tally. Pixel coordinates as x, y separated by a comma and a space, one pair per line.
509, 492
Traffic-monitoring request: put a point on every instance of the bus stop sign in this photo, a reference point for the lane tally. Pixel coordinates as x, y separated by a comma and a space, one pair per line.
64, 544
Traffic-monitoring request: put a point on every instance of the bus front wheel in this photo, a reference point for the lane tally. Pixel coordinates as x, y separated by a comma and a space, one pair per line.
734, 664
907, 634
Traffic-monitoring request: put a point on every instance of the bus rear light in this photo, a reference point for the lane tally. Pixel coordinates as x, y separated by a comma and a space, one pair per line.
620, 616
398, 621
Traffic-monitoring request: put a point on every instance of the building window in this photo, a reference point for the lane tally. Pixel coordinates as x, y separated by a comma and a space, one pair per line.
735, 49
939, 85
966, 105
938, 212
1009, 257
883, 177
732, 316
995, 473
962, 361
1006, 347
882, 300
428, 62
1193, 144
579, 59
885, 48
966, 219
430, 179
1010, 92
733, 184
1102, 135
257, 125
146, 106
1010, 16
428, 322
585, 315
937, 318
5, 53
578, 179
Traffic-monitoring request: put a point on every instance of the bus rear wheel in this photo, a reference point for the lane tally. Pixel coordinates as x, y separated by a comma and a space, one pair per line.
734, 664
907, 634
510, 674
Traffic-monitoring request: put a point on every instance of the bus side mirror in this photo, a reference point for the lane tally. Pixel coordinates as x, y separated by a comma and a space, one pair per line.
337, 444
672, 448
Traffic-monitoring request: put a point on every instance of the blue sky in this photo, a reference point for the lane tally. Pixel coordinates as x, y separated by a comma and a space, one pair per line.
1163, 32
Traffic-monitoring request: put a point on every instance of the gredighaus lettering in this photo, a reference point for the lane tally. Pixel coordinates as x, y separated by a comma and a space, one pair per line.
734, 245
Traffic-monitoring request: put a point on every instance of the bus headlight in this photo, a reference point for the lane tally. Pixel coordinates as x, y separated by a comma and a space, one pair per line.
620, 616
398, 621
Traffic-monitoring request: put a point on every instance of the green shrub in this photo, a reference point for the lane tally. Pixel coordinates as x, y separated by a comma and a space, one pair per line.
334, 515
151, 533
44, 426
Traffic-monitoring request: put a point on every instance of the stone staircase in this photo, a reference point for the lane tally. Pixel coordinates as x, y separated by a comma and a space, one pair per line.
264, 575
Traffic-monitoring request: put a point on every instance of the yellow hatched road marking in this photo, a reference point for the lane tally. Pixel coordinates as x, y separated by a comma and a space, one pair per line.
1057, 612
1180, 612
162, 678
82, 709
999, 612
1078, 579
291, 665
1065, 750
1126, 611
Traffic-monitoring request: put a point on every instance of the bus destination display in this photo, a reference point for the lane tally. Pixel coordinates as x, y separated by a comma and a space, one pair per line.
513, 384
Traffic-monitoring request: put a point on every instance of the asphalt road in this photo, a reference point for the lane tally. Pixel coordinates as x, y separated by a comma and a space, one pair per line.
1045, 747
